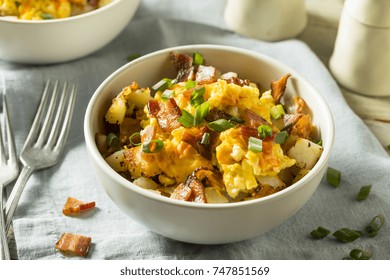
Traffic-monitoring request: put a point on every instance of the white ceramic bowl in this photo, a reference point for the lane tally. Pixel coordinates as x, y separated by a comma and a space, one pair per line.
206, 223
60, 40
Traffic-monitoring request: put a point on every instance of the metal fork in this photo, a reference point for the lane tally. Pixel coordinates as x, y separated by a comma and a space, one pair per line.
46, 139
9, 170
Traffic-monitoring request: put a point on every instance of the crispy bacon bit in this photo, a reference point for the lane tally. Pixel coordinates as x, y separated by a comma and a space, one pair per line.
206, 74
193, 136
74, 206
75, 244
278, 87
192, 190
215, 114
290, 120
182, 192
148, 133
299, 104
183, 65
166, 114
232, 78
252, 119
247, 131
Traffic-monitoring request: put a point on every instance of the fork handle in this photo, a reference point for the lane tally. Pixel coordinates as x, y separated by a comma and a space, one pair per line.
16, 193
4, 250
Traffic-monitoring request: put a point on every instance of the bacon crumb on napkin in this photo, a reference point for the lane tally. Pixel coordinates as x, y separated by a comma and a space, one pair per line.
74, 206
76, 244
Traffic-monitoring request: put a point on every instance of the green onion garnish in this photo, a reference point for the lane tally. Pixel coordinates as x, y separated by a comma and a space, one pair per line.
363, 192
46, 16
205, 139
163, 84
375, 225
277, 111
388, 147
198, 58
236, 120
197, 96
347, 235
264, 131
281, 137
220, 125
112, 140
168, 93
153, 146
201, 112
255, 145
190, 84
333, 176
186, 119
319, 142
133, 56
319, 233
135, 139
358, 254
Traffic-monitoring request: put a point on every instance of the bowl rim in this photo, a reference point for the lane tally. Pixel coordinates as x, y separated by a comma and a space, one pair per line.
96, 156
71, 18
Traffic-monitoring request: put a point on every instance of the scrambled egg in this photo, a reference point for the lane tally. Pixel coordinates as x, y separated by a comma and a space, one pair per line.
46, 9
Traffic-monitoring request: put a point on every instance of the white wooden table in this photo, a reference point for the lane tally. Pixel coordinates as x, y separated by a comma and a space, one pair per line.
320, 35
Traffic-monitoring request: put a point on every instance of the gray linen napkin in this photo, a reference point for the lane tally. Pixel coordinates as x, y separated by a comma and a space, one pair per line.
39, 222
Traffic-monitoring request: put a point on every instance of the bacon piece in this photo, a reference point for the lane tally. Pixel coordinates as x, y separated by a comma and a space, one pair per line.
247, 131
183, 65
166, 113
74, 206
278, 87
182, 192
290, 120
148, 133
299, 104
192, 190
232, 78
74, 244
252, 119
206, 74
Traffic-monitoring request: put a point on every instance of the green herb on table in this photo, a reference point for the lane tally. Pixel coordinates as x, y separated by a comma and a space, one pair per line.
347, 235
133, 56
363, 193
388, 147
375, 225
359, 254
333, 176
320, 232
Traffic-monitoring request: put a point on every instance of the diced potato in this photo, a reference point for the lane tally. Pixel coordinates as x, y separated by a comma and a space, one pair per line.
117, 160
213, 195
272, 181
117, 111
146, 183
300, 175
305, 152
139, 97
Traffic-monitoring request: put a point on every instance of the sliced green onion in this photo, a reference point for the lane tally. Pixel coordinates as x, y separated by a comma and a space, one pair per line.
153, 146
200, 113
363, 192
112, 140
277, 111
168, 93
46, 16
205, 139
347, 235
197, 96
320, 233
198, 58
281, 137
186, 119
133, 56
190, 84
135, 139
375, 225
255, 145
333, 176
163, 84
388, 147
264, 131
220, 125
358, 254
319, 142
236, 120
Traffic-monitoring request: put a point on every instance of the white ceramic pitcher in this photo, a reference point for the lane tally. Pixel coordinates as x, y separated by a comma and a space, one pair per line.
269, 20
361, 57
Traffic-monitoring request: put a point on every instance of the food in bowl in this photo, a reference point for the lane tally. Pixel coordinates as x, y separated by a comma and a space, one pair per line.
209, 137
48, 9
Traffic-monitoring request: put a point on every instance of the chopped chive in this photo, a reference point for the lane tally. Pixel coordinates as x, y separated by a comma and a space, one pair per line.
333, 176
200, 113
46, 16
277, 111
205, 139
133, 56
236, 120
197, 96
112, 140
198, 58
135, 139
190, 84
375, 225
319, 233
358, 254
281, 137
153, 146
363, 192
186, 119
319, 142
163, 84
347, 235
264, 131
168, 93
220, 125
255, 145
